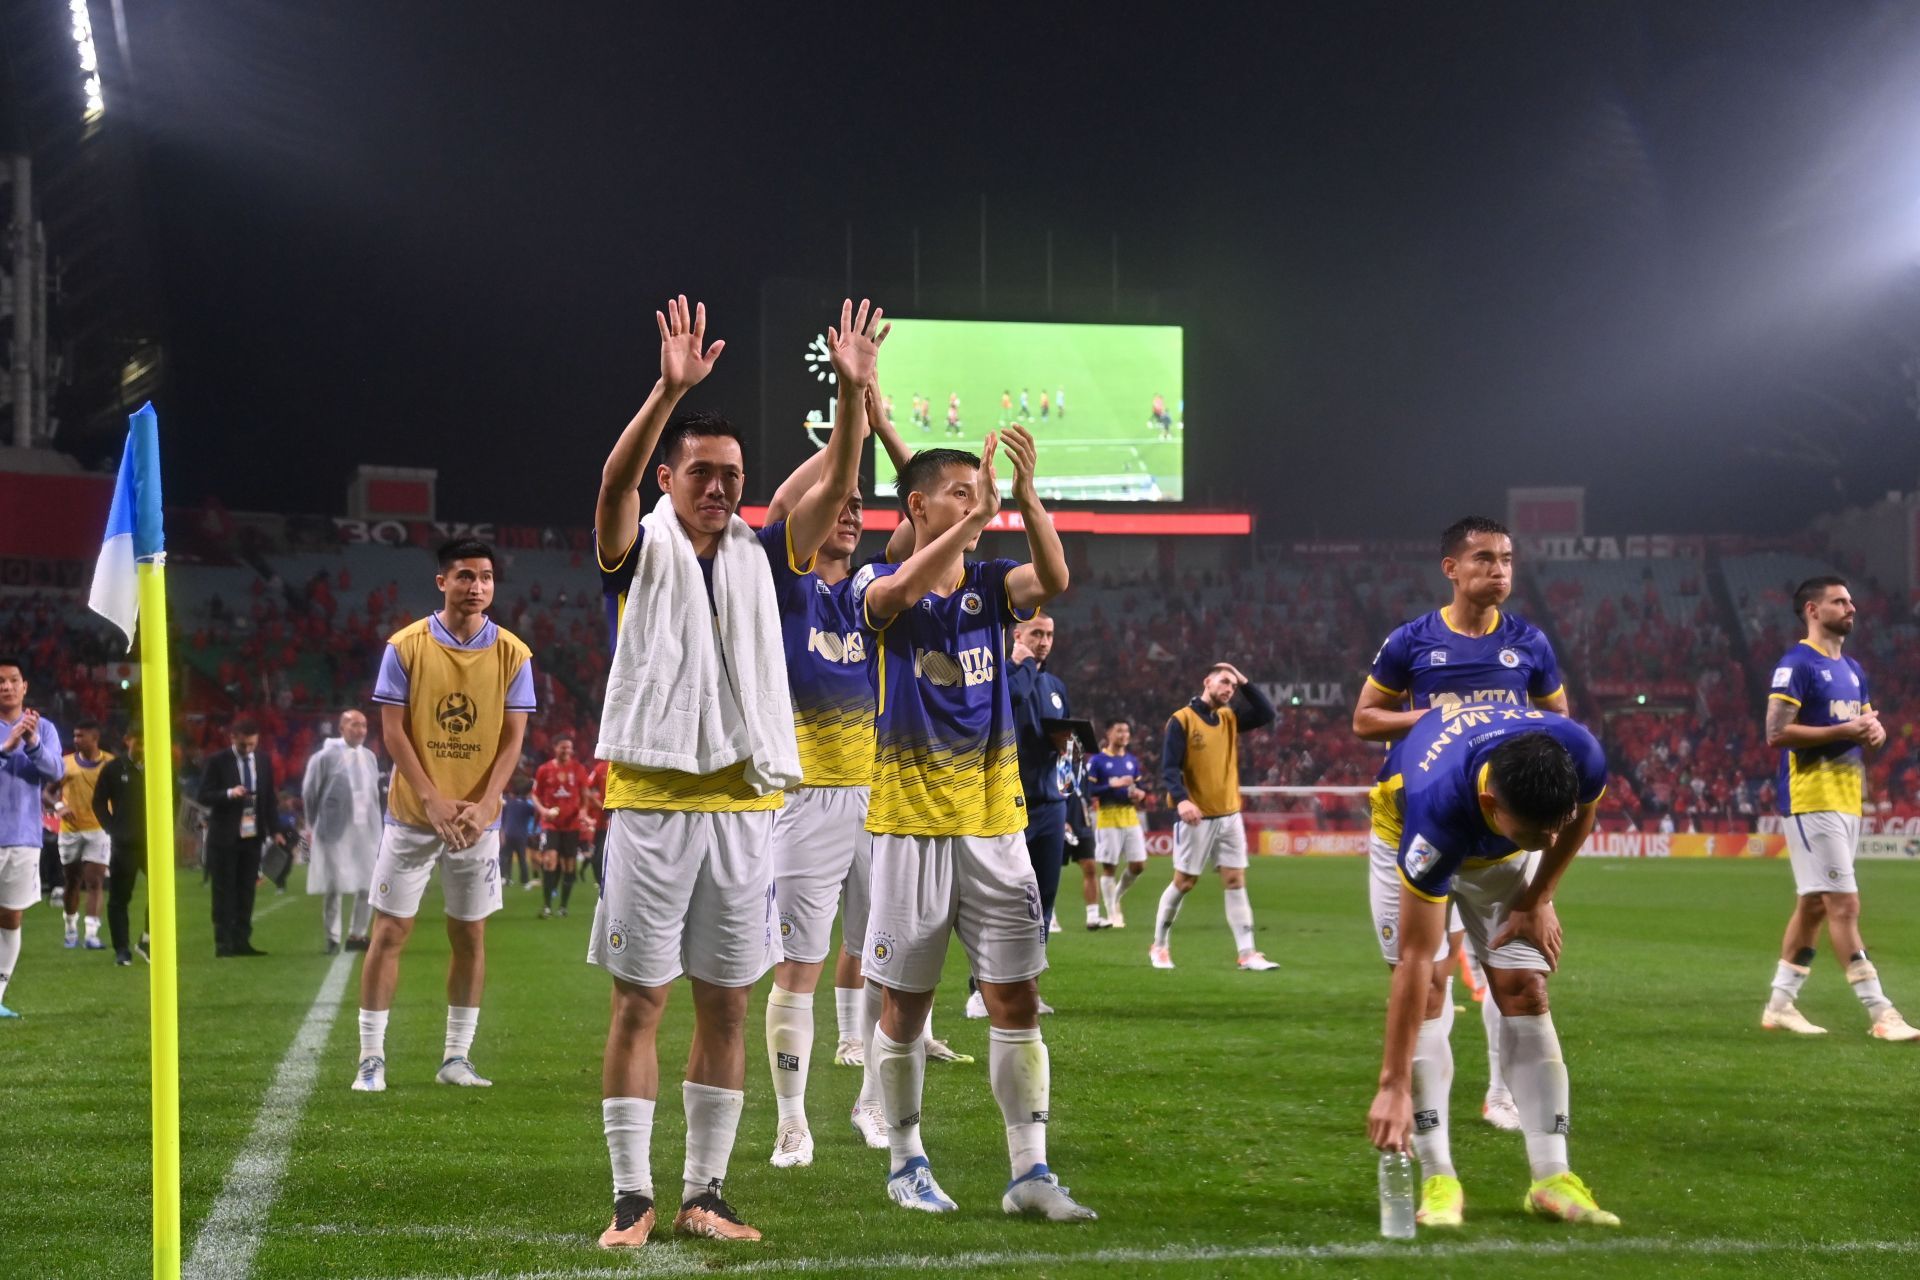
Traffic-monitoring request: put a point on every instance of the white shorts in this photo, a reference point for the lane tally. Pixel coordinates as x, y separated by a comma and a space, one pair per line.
469, 878
1209, 842
1484, 896
1821, 847
926, 888
85, 846
1383, 892
19, 876
687, 893
1115, 845
816, 840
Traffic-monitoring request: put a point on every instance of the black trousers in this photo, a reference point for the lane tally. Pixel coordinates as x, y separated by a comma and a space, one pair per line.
234, 868
1046, 843
128, 861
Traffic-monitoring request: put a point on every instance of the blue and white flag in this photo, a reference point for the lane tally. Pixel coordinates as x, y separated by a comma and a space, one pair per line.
133, 526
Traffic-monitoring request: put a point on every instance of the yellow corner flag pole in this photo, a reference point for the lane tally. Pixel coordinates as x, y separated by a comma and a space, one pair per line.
130, 590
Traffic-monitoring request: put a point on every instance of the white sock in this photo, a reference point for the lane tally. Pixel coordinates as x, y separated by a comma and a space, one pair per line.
926, 1032
1110, 894
902, 1069
9, 956
1240, 918
1432, 1086
1093, 913
790, 1050
1019, 1069
1538, 1079
846, 1011
1865, 981
1127, 878
871, 996
1490, 1019
462, 1022
93, 928
73, 922
628, 1123
1169, 912
373, 1033
1788, 978
713, 1117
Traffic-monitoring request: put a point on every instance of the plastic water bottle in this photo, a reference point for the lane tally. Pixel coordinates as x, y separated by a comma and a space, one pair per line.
1396, 1195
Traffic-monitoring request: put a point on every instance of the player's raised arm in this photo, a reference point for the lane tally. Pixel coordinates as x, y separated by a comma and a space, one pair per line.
1260, 710
893, 594
684, 361
855, 348
1031, 585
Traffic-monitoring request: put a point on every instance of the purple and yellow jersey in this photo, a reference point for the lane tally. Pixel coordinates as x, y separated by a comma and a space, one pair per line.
945, 761
1428, 663
1442, 766
1823, 691
1109, 779
826, 673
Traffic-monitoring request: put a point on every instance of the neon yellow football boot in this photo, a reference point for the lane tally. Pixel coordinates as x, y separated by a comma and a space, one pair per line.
1441, 1201
1565, 1197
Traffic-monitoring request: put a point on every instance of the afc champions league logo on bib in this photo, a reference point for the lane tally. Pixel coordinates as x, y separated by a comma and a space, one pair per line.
617, 936
881, 948
1509, 659
456, 713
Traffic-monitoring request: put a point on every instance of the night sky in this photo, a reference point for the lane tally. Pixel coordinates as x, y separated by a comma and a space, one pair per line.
1422, 252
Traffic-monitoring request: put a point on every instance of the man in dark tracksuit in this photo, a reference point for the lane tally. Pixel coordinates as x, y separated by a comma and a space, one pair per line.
120, 803
1039, 696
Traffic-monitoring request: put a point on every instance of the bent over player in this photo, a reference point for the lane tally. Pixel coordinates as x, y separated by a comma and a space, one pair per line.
947, 811
1481, 785
1823, 722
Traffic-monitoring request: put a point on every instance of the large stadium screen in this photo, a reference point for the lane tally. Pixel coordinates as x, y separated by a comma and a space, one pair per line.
1105, 402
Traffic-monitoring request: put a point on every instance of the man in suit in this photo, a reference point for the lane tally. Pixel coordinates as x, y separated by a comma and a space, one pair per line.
243, 812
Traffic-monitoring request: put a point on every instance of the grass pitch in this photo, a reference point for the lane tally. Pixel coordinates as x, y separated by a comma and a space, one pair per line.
1101, 449
1214, 1118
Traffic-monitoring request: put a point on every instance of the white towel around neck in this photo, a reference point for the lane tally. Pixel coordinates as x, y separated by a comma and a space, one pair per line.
680, 696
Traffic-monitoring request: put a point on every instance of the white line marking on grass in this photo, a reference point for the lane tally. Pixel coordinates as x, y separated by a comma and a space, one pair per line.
232, 1233
693, 1259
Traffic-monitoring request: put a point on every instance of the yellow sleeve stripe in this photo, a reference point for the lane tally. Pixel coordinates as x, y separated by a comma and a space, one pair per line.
1556, 693
867, 618
1416, 890
1391, 693
618, 560
1784, 698
792, 563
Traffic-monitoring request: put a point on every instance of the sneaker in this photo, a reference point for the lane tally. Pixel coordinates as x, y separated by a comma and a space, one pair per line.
1254, 962
356, 944
1441, 1201
71, 941
976, 1005
459, 1071
563, 913
142, 949
850, 1053
7, 1013
1039, 1193
94, 944
1053, 925
632, 1223
1095, 926
793, 1147
1565, 1197
1043, 1007
1788, 1019
1891, 1026
546, 913
530, 885
1497, 1109
370, 1076
123, 957
914, 1188
710, 1216
331, 949
1117, 921
941, 1051
870, 1122
1162, 957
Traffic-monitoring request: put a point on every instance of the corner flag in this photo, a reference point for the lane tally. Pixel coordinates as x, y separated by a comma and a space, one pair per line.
129, 581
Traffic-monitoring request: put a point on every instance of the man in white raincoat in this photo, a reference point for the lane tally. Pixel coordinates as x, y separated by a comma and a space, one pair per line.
341, 798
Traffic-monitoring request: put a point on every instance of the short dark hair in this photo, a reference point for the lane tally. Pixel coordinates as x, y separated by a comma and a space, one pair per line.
924, 469
1456, 534
244, 727
706, 425
8, 660
1533, 775
1119, 720
88, 723
1812, 591
464, 549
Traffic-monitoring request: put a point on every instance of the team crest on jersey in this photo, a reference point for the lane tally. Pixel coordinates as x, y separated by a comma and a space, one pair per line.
881, 948
1782, 677
456, 713
1438, 658
1826, 675
1509, 659
970, 603
821, 587
1420, 858
617, 936
1058, 705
